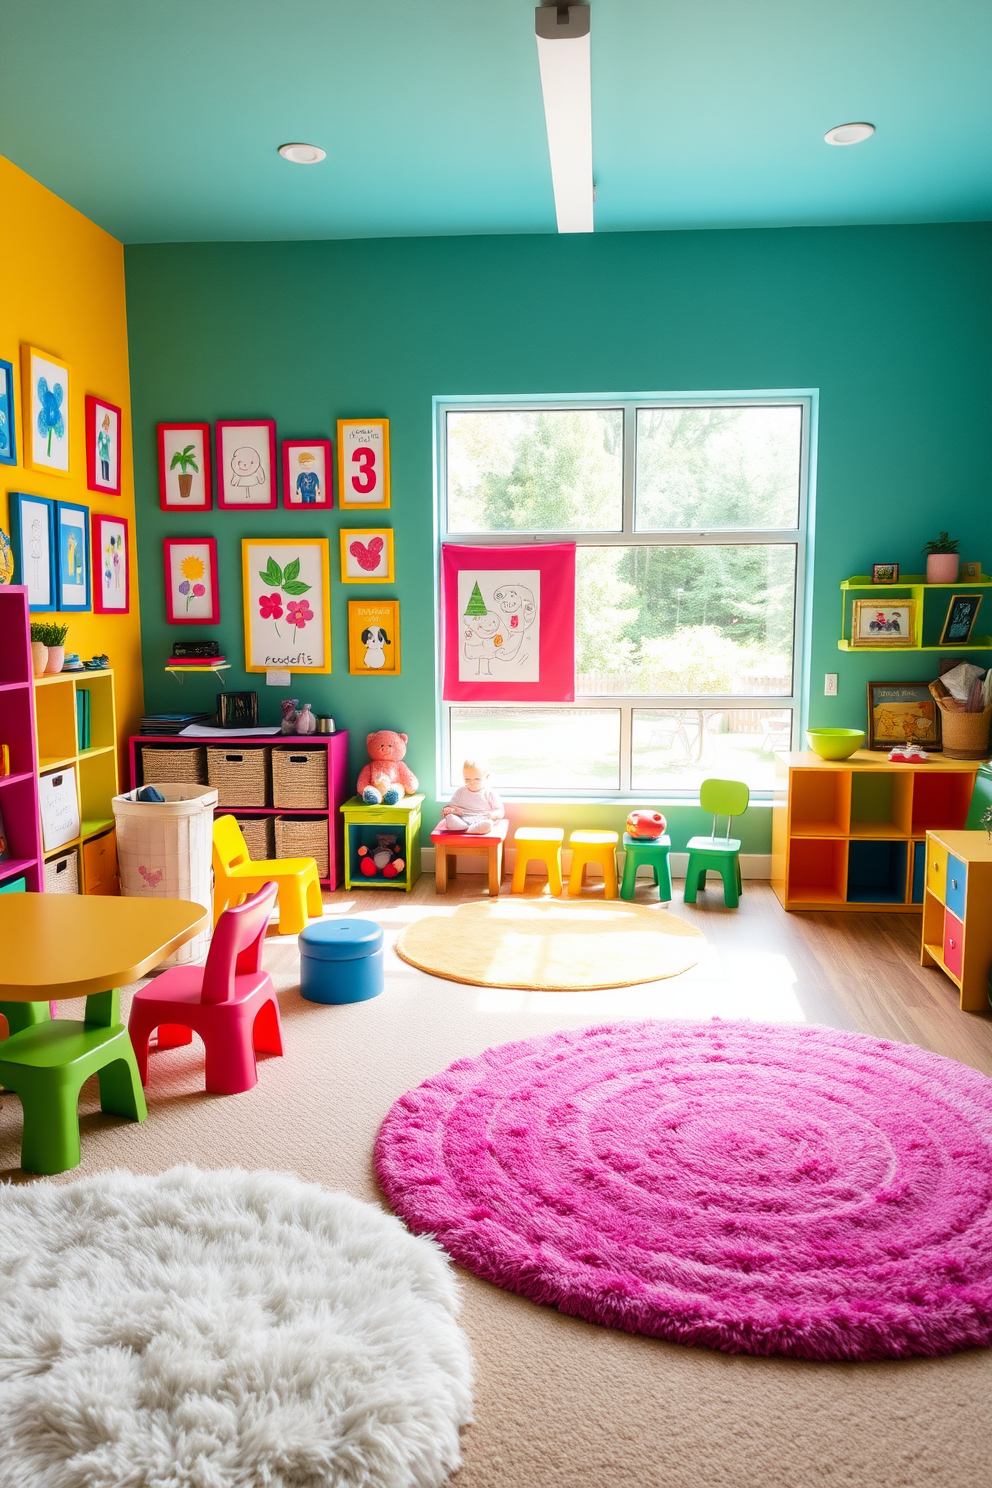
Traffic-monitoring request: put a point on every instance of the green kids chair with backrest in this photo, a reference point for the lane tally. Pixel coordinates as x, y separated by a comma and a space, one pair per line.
715, 854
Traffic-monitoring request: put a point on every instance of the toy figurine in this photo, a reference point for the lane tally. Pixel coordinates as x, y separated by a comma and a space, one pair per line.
305, 721
386, 779
384, 858
646, 825
289, 715
475, 806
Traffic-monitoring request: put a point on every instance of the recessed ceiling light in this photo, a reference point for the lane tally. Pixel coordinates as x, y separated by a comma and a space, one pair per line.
302, 154
849, 134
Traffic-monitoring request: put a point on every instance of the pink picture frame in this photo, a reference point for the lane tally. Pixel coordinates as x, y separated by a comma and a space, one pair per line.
103, 446
111, 548
184, 472
191, 562
247, 474
297, 467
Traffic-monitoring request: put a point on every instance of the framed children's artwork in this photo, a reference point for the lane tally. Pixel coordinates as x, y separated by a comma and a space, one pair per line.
8, 434
374, 637
184, 467
191, 593
103, 446
873, 624
970, 573
45, 401
306, 473
72, 555
246, 464
111, 563
363, 464
902, 713
962, 612
885, 573
287, 594
32, 535
366, 555
509, 623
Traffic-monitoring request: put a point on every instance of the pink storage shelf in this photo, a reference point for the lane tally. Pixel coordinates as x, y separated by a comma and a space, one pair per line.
19, 790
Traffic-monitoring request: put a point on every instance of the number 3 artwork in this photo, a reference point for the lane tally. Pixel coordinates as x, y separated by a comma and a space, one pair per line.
363, 463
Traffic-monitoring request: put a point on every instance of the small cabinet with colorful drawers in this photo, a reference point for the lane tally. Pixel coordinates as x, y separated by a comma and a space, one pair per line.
363, 828
957, 912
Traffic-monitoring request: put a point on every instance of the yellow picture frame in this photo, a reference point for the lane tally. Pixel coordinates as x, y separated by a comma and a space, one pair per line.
358, 550
374, 637
363, 464
280, 634
36, 363
876, 633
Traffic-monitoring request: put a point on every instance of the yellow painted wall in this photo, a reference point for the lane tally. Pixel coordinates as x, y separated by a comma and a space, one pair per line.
62, 290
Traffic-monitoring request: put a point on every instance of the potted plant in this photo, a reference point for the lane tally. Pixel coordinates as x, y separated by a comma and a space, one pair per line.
55, 641
39, 651
186, 460
942, 559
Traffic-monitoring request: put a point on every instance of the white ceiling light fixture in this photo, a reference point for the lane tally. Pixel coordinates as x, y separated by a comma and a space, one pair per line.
563, 54
302, 154
849, 134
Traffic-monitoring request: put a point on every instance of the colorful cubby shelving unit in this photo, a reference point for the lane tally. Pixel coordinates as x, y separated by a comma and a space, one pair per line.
18, 788
931, 610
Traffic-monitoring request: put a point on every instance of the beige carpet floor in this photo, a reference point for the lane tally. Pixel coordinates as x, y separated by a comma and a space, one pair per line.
562, 1403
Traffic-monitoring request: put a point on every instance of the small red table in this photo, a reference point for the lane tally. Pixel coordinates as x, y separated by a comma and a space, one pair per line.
450, 844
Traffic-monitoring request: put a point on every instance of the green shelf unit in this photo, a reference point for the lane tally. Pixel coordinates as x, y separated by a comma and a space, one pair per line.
913, 586
361, 826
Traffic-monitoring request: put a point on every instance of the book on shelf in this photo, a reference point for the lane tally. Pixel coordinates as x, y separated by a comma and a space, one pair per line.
82, 718
171, 723
205, 663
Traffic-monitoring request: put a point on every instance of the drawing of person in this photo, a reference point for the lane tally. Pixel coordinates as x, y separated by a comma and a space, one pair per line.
483, 639
70, 556
37, 550
116, 546
246, 467
103, 449
308, 481
516, 603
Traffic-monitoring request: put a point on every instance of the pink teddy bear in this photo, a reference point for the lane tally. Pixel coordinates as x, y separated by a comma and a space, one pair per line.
386, 779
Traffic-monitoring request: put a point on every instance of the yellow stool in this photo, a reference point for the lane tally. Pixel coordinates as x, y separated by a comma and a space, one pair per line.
544, 844
594, 847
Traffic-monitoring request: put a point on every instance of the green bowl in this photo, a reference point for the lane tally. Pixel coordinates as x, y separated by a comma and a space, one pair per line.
834, 743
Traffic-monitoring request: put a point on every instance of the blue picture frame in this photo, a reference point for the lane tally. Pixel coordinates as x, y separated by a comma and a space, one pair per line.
32, 538
72, 556
8, 423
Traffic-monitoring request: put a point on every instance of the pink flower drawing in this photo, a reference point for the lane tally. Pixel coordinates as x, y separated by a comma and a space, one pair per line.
298, 612
270, 606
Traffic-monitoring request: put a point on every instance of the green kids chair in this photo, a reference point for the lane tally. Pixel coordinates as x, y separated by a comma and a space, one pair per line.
715, 854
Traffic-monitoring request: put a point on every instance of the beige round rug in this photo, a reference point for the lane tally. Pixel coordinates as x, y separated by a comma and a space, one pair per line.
551, 945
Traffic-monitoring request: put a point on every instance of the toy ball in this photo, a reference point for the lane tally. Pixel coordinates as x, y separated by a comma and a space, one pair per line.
645, 824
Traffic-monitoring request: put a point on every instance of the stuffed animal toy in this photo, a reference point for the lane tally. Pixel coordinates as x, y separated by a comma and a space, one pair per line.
646, 825
384, 858
386, 779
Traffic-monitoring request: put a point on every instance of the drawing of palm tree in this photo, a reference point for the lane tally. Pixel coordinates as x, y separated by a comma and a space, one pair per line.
186, 459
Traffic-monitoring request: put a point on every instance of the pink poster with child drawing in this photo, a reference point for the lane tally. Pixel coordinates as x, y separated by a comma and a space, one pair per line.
509, 623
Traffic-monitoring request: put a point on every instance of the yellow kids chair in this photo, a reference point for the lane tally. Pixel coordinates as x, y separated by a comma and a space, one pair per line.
718, 854
236, 876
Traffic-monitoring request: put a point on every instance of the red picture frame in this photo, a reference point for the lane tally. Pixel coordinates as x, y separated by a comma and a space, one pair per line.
291, 448
236, 489
103, 474
173, 439
111, 561
190, 608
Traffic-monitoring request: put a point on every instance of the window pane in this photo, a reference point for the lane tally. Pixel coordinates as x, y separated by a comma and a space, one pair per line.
678, 748
704, 468
692, 621
557, 749
551, 470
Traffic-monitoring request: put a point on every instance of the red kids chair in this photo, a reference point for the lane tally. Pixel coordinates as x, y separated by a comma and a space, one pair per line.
230, 1002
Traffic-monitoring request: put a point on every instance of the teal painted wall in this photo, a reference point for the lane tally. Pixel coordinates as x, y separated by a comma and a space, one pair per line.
892, 325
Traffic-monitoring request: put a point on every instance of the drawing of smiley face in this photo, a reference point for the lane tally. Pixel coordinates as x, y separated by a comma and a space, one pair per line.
517, 604
245, 462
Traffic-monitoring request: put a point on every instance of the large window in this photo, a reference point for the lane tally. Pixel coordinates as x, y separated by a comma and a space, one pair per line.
689, 520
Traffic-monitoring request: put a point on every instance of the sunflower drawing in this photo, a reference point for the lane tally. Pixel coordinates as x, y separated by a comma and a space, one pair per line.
192, 570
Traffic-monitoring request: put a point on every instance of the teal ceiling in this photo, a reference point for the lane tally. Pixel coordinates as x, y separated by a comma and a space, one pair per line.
160, 118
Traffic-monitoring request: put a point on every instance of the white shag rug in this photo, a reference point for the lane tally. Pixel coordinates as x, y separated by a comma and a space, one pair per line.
223, 1330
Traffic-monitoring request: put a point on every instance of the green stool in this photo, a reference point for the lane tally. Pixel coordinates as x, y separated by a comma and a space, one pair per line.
715, 854
653, 853
46, 1061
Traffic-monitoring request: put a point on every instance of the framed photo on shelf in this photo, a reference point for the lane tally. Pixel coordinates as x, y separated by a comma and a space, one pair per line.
363, 464
191, 592
45, 405
184, 467
103, 446
873, 624
374, 637
306, 474
72, 555
111, 565
32, 536
902, 713
8, 429
367, 555
287, 599
970, 573
962, 612
885, 573
246, 464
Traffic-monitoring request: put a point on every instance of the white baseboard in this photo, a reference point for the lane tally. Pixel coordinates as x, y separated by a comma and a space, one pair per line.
753, 865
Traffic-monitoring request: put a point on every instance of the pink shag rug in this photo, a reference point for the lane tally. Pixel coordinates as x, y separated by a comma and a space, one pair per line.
755, 1188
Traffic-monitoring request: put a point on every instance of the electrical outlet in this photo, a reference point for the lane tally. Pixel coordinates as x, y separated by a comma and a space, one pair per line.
830, 684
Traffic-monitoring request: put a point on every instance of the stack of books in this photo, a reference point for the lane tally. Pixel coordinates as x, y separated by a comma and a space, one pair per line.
82, 718
172, 723
206, 662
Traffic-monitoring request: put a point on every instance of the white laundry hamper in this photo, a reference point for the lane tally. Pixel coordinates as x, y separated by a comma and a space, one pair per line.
164, 851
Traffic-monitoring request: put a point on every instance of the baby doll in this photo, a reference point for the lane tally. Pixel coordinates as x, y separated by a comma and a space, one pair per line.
475, 805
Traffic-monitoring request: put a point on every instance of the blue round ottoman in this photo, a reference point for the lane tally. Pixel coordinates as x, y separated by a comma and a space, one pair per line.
341, 961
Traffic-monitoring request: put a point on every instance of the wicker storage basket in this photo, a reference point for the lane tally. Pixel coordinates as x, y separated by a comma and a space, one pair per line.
238, 775
303, 837
965, 735
259, 837
178, 766
299, 779
62, 873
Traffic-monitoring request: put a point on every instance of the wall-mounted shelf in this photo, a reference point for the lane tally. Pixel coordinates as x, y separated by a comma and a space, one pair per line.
912, 586
177, 671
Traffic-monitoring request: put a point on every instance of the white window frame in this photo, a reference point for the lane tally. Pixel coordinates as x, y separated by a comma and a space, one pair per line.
627, 537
